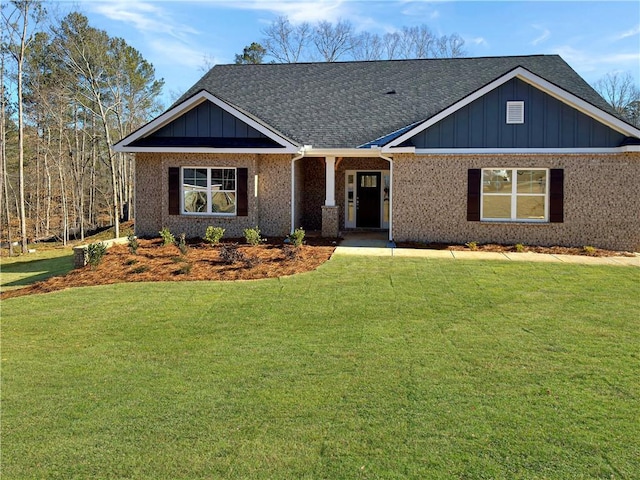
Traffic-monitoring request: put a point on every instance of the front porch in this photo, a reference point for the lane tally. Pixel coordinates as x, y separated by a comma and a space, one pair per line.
338, 194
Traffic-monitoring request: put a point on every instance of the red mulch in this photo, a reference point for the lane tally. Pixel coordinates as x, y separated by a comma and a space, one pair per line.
156, 263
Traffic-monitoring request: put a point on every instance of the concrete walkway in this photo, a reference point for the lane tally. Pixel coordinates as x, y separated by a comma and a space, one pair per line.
468, 255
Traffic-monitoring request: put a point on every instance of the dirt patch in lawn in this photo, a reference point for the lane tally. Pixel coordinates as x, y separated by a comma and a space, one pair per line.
154, 262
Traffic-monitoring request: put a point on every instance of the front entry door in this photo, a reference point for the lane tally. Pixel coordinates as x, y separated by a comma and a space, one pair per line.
368, 200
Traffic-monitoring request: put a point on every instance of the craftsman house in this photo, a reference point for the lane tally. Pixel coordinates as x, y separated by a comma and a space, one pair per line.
501, 149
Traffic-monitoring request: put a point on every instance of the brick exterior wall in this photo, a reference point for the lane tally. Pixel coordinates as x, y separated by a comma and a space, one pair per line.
271, 213
601, 200
601, 197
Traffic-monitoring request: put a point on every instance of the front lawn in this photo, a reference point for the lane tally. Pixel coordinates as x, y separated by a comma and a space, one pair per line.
368, 367
20, 271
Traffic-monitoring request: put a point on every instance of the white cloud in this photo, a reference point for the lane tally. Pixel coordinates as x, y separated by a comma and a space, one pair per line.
480, 41
297, 11
592, 65
176, 53
418, 10
546, 33
145, 16
629, 33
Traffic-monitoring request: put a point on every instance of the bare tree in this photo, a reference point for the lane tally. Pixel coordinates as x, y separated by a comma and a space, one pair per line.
333, 41
622, 93
391, 45
367, 46
4, 187
19, 41
451, 46
285, 42
416, 42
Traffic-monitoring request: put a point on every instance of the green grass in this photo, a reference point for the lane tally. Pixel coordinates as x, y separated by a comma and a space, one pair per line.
18, 271
365, 368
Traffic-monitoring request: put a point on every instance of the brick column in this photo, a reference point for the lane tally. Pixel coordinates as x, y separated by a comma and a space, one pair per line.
330, 221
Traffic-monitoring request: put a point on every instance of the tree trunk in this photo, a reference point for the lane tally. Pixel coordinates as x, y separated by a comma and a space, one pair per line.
23, 219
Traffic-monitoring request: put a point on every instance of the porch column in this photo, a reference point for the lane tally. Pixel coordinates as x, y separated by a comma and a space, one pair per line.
330, 177
330, 209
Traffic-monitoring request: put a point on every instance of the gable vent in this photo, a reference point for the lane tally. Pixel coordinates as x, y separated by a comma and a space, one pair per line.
515, 112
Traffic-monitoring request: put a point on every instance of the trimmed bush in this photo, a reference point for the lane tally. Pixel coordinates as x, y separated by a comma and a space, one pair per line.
252, 236
94, 254
213, 235
167, 237
297, 237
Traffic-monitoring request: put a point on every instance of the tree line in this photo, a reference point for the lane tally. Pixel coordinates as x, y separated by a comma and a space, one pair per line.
324, 41
69, 91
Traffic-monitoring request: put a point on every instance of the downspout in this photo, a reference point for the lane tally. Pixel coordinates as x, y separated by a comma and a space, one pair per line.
293, 187
390, 160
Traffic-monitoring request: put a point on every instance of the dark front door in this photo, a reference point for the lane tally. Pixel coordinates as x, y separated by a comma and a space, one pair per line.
368, 200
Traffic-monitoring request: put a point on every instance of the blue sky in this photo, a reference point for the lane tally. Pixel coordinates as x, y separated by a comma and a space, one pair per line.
594, 37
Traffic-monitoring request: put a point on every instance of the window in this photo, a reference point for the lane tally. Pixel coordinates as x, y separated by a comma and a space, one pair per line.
515, 112
515, 194
209, 191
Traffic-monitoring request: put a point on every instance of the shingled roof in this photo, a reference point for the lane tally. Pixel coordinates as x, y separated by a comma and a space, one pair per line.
349, 104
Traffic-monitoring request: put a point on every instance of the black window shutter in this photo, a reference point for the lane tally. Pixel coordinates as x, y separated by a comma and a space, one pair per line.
174, 191
242, 201
556, 195
473, 194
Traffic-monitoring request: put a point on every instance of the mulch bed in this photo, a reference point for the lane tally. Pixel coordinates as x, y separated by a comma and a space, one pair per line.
156, 263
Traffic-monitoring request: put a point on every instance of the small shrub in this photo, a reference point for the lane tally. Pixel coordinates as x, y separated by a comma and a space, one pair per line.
297, 237
185, 269
251, 261
131, 261
291, 252
133, 244
182, 244
472, 245
213, 235
178, 259
230, 254
167, 237
589, 250
520, 247
94, 254
252, 236
140, 269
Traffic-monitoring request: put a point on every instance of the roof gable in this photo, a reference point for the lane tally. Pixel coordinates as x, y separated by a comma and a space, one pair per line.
548, 123
540, 83
202, 123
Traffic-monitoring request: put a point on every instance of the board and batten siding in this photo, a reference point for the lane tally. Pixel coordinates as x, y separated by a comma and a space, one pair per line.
208, 120
549, 123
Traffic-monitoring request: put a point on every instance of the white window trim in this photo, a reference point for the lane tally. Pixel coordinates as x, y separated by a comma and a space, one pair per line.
515, 112
208, 213
514, 196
